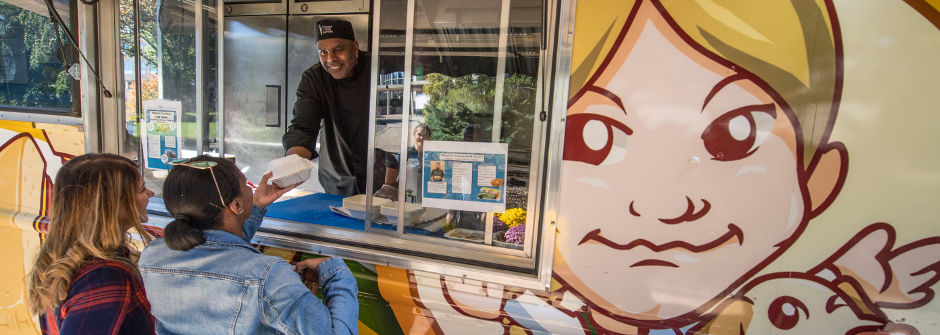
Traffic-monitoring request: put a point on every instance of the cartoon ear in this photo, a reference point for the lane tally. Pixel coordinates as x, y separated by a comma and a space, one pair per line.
826, 176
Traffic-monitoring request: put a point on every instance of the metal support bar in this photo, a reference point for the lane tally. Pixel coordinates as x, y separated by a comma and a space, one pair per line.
88, 86
200, 78
112, 75
500, 71
220, 98
138, 91
562, 34
534, 222
373, 83
406, 114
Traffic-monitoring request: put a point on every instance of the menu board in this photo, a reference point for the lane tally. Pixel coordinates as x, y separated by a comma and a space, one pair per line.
466, 176
160, 140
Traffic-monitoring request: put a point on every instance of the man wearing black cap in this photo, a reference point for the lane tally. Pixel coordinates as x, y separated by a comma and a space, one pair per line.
336, 93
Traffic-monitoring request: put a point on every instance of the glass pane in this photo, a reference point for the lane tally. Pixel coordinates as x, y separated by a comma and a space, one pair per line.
465, 88
210, 79
34, 58
167, 50
520, 107
390, 115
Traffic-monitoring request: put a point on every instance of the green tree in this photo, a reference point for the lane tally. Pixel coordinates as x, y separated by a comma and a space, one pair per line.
456, 103
149, 36
167, 41
519, 110
30, 39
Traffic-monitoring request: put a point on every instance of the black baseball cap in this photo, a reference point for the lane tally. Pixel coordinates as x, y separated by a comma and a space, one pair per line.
334, 28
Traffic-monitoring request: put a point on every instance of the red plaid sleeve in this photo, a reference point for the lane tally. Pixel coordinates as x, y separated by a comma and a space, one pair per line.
106, 297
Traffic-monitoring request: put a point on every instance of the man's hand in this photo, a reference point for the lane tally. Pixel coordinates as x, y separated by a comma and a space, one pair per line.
300, 151
266, 193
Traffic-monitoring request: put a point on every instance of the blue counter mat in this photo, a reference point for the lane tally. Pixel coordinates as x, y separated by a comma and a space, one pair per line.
315, 209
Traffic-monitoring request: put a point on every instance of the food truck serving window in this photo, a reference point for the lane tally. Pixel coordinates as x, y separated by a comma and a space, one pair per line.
456, 141
457, 133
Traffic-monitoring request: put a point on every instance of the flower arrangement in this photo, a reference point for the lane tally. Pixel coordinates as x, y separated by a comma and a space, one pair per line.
512, 217
499, 225
511, 225
516, 234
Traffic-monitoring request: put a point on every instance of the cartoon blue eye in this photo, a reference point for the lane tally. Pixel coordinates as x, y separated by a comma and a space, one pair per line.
738, 133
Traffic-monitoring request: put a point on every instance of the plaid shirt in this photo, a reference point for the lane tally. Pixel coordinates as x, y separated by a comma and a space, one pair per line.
106, 297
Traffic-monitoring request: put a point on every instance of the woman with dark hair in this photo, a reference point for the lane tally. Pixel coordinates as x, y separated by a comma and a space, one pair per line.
413, 167
212, 281
85, 280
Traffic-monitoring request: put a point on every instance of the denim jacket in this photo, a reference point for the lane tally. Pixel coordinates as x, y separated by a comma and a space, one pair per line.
226, 286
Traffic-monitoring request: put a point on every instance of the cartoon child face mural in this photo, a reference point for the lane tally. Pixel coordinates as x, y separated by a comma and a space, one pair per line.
702, 138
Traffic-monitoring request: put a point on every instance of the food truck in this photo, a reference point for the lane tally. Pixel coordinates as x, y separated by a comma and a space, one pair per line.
576, 178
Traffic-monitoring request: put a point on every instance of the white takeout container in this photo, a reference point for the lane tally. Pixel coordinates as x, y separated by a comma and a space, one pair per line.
358, 203
412, 212
290, 170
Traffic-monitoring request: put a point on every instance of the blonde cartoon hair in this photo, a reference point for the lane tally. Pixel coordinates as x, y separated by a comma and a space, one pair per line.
793, 46
91, 191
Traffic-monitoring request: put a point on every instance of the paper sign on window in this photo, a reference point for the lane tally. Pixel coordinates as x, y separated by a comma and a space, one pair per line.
466, 176
161, 132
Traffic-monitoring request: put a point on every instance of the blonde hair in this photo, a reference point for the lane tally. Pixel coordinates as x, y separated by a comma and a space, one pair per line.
794, 46
91, 192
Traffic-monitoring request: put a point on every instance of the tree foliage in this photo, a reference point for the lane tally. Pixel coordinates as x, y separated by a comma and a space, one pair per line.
175, 49
150, 91
456, 105
167, 41
148, 29
29, 43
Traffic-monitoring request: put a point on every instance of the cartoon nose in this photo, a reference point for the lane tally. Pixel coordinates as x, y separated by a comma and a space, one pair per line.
692, 212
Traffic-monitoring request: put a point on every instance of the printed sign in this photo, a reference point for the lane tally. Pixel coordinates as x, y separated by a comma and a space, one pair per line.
465, 176
161, 138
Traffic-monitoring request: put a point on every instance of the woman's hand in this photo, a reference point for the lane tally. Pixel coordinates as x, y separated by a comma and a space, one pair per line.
266, 193
308, 272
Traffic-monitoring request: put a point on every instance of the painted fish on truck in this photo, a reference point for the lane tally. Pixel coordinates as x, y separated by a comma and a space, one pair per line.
761, 167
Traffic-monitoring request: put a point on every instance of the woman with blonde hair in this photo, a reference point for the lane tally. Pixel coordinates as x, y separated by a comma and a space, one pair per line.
85, 279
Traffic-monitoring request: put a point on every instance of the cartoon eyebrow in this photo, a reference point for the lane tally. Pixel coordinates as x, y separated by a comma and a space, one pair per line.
609, 95
721, 84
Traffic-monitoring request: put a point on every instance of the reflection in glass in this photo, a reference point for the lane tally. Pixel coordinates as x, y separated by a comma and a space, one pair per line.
472, 69
389, 111
33, 65
166, 42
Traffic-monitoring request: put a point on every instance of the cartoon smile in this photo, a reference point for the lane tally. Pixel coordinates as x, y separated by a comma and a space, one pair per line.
595, 236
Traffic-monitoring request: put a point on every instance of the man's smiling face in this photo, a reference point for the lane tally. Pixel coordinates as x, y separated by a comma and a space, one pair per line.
338, 56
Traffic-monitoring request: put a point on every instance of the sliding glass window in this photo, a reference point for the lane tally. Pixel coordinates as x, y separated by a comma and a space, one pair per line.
170, 82
456, 125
